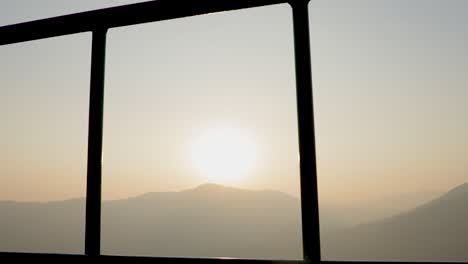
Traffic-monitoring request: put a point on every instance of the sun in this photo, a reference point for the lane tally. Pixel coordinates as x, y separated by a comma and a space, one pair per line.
224, 155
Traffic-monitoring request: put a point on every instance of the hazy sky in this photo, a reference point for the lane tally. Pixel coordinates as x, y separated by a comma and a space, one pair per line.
389, 84
390, 93
167, 85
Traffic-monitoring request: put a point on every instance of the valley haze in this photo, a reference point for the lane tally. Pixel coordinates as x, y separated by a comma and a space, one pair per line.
217, 221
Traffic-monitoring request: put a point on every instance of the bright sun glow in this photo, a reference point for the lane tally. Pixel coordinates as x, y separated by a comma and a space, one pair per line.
224, 154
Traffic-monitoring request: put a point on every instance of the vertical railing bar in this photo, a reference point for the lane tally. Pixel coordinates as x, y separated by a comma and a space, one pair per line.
95, 127
308, 167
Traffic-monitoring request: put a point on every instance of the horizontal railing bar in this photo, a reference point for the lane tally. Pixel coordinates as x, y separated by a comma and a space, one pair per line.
135, 259
385, 262
121, 16
58, 258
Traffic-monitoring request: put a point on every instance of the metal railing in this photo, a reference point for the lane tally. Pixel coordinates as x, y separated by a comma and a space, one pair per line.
98, 22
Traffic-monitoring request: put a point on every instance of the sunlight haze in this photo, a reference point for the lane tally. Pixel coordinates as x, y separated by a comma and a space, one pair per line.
201, 127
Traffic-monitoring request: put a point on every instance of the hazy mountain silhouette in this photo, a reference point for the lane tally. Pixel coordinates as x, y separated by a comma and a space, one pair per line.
435, 231
212, 220
337, 216
207, 221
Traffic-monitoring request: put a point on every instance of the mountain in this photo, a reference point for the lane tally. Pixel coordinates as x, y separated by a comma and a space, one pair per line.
337, 216
217, 221
434, 231
54, 227
207, 221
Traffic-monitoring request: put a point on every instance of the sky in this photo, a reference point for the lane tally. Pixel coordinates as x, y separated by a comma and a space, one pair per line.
168, 84
389, 90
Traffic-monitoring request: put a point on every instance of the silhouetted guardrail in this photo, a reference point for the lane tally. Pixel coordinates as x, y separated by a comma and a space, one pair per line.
98, 22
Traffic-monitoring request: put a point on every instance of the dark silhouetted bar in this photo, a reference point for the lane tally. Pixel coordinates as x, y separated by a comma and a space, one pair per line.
96, 107
126, 15
309, 197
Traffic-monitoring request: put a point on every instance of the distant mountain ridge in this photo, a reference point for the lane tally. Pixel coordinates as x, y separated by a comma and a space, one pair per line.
216, 221
206, 221
434, 231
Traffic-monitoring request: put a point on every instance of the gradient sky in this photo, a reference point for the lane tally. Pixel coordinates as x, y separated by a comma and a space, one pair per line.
390, 97
389, 84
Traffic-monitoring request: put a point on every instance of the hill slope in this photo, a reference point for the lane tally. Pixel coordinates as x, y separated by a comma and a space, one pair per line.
435, 231
207, 221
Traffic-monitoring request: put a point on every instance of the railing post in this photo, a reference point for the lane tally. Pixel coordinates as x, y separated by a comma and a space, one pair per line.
94, 177
308, 167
